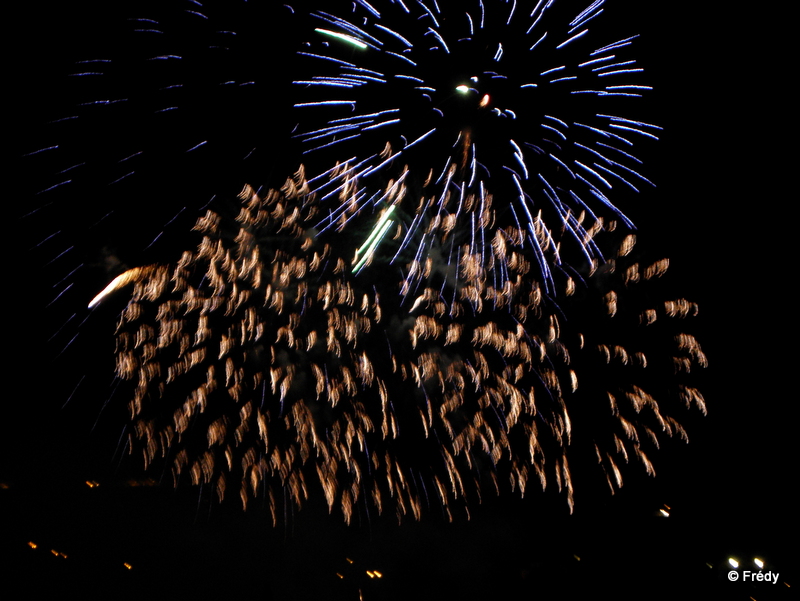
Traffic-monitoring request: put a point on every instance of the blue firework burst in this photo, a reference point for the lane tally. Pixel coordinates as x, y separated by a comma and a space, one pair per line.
507, 104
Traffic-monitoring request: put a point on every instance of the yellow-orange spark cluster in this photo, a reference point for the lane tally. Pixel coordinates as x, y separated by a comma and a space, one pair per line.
259, 360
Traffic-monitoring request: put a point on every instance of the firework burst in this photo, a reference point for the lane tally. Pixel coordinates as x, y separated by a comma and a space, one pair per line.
260, 358
504, 108
449, 307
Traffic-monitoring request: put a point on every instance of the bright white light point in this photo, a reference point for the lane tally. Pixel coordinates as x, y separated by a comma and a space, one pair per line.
343, 37
733, 562
462, 89
485, 100
473, 79
664, 512
758, 562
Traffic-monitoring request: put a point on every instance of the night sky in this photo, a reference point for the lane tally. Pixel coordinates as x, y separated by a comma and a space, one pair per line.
77, 518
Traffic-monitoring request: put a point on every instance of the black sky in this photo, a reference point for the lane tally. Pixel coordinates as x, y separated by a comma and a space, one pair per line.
717, 213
